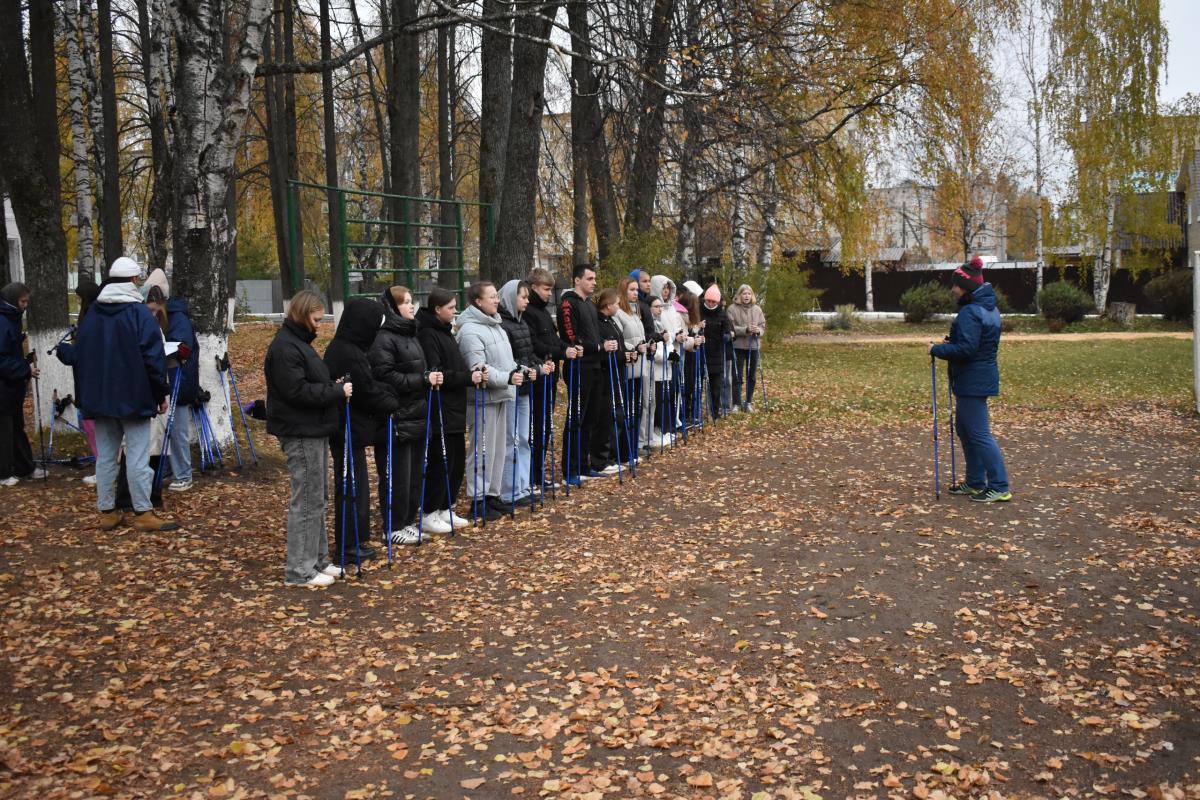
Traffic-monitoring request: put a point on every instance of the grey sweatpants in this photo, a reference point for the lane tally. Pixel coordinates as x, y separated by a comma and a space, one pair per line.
495, 440
307, 545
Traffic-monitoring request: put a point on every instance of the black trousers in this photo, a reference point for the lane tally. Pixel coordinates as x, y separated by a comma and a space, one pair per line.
406, 481
16, 456
716, 388
589, 423
746, 372
541, 416
435, 473
362, 502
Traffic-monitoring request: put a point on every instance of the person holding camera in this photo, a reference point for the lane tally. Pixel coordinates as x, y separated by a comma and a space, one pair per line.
484, 344
124, 385
16, 456
302, 411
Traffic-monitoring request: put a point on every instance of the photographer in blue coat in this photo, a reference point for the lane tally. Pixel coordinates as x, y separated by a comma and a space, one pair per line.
971, 350
124, 386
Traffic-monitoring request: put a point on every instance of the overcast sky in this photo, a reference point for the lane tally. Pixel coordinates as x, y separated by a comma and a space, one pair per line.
1183, 56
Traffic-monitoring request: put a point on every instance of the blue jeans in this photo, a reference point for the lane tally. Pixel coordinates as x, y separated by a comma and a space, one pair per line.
518, 438
985, 462
136, 432
180, 452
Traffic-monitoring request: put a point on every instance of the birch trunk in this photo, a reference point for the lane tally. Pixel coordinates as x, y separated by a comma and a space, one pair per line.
87, 53
1102, 275
739, 249
80, 166
213, 102
868, 281
157, 221
770, 211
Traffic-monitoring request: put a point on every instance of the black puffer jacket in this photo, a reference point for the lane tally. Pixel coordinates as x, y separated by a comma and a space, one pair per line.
521, 339
302, 399
579, 324
442, 354
546, 344
398, 362
347, 354
716, 328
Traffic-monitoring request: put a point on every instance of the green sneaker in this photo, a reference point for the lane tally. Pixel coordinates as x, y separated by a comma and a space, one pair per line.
962, 487
992, 496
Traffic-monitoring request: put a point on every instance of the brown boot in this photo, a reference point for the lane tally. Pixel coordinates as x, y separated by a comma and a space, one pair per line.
110, 519
149, 521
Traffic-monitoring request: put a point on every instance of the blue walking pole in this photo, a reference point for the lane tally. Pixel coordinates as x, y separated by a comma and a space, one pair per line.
475, 458
512, 490
387, 523
937, 478
237, 448
166, 447
214, 448
348, 495
950, 402
662, 423
622, 403
445, 462
548, 433
762, 371
199, 439
567, 420
424, 469
612, 395
532, 491
238, 399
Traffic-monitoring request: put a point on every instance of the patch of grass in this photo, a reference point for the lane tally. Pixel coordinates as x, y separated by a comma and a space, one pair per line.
888, 383
1028, 324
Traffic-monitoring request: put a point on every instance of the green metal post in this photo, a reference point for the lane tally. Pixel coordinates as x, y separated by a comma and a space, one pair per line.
341, 212
460, 264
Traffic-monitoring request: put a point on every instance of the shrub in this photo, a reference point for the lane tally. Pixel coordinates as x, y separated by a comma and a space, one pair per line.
1171, 294
1064, 301
1003, 304
926, 299
842, 319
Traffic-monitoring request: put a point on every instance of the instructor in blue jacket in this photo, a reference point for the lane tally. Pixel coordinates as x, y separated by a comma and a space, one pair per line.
970, 350
124, 374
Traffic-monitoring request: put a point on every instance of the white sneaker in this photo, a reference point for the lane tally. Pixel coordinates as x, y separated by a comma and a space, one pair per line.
12, 481
432, 523
459, 522
180, 486
90, 480
611, 469
319, 581
406, 535
334, 571
36, 475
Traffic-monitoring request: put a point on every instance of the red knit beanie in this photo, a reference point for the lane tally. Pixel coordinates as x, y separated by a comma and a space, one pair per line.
969, 277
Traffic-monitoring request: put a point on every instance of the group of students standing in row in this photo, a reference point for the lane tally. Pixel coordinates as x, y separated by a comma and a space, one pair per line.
430, 389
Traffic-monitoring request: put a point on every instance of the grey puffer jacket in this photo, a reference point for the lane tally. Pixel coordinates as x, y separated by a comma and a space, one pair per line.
482, 341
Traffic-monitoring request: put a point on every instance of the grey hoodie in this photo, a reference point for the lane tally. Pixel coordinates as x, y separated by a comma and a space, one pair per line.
482, 340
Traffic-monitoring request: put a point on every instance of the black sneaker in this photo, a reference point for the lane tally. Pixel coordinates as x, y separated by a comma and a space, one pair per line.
992, 496
962, 487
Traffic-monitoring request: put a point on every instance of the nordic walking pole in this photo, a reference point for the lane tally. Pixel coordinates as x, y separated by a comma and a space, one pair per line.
387, 522
37, 415
238, 399
612, 396
512, 489
579, 454
475, 459
424, 469
762, 370
237, 448
950, 402
445, 461
166, 445
345, 490
567, 431
548, 435
937, 479
662, 423
483, 446
541, 480
621, 401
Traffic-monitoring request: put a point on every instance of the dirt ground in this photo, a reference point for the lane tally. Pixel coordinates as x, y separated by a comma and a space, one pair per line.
791, 616
899, 338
